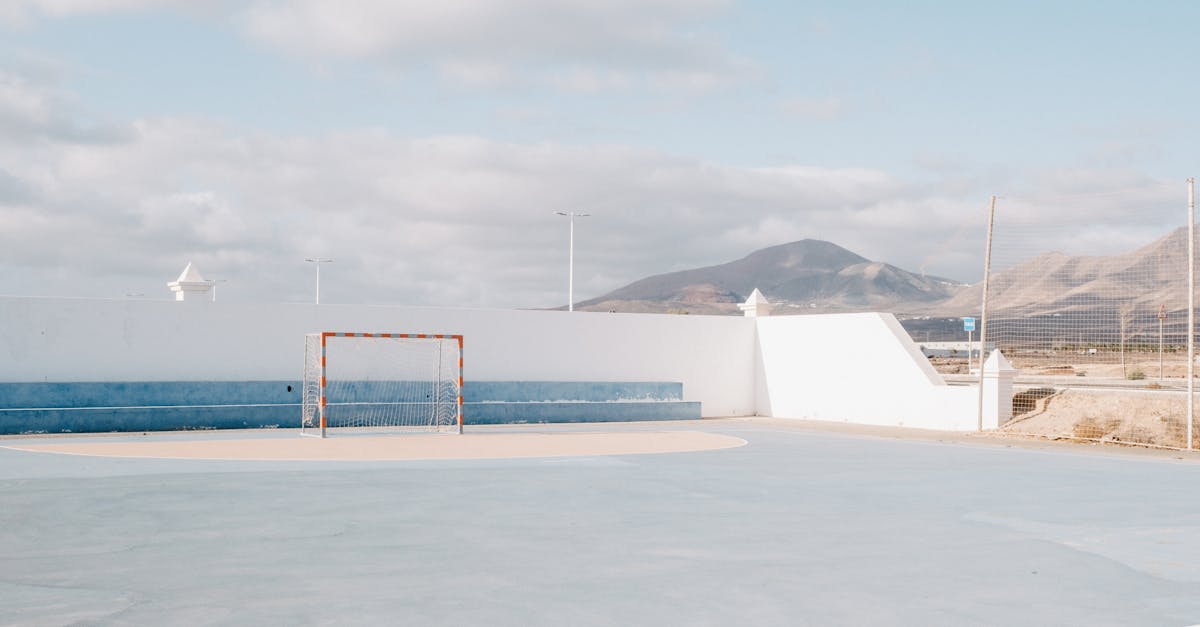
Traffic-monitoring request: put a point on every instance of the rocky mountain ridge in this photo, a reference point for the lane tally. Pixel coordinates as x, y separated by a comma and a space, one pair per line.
808, 274
815, 276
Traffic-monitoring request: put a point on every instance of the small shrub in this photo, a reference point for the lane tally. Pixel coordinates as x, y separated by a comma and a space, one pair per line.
1089, 429
1136, 375
1174, 431
1134, 434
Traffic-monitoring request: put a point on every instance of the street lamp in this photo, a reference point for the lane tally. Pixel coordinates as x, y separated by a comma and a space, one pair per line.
571, 257
317, 261
214, 284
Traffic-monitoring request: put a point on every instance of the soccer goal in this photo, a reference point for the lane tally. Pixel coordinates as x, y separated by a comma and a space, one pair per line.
382, 382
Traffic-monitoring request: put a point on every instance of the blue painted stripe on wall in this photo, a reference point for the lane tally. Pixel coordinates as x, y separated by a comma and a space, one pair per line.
164, 393
167, 405
146, 419
530, 391
147, 393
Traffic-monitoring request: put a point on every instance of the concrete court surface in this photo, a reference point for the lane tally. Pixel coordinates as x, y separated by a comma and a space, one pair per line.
801, 526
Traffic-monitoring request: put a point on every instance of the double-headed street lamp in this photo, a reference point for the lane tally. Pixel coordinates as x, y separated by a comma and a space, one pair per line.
317, 261
571, 257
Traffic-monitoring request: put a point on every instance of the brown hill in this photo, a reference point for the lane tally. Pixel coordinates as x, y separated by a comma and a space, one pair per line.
1053, 283
808, 275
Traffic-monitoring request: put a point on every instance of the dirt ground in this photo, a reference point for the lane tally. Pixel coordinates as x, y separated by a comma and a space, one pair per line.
1140, 369
1137, 411
1144, 417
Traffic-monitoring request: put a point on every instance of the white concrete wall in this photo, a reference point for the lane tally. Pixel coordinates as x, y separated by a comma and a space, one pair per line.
60, 340
859, 368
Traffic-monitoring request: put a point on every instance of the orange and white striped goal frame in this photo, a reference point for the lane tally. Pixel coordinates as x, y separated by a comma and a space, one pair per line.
418, 336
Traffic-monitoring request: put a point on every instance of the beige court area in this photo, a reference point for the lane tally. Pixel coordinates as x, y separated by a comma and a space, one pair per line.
398, 447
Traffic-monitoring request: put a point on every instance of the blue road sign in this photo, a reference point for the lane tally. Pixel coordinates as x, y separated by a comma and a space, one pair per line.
968, 324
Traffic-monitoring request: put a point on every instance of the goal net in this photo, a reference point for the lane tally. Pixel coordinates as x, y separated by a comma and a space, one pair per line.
382, 382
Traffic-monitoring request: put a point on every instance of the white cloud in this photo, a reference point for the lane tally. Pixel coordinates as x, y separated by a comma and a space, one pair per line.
460, 220
590, 80
477, 73
33, 107
580, 44
22, 12
22, 102
362, 28
443, 220
826, 108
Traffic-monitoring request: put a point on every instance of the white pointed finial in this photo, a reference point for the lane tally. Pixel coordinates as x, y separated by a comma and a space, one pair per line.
756, 305
190, 282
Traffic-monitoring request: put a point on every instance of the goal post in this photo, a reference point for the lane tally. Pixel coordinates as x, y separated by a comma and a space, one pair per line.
382, 382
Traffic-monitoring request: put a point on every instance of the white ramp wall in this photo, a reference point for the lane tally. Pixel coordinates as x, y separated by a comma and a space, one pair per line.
859, 368
81, 340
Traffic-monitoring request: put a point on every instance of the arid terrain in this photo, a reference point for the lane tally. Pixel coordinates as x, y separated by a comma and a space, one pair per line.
1097, 401
1141, 417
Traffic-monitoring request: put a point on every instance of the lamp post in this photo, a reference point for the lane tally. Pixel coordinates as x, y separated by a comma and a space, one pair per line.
571, 215
214, 284
317, 261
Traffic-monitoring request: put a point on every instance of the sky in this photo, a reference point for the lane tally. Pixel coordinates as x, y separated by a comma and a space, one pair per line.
425, 146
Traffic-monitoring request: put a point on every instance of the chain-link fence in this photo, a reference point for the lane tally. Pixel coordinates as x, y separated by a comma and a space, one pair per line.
1095, 322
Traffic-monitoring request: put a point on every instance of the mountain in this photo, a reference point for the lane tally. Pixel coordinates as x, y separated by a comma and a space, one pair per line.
1053, 283
811, 274
1050, 294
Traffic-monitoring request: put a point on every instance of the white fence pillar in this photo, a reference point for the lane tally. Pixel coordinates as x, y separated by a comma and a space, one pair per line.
998, 375
191, 285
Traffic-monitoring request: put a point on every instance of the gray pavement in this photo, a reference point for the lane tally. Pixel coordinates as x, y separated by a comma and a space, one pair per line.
799, 527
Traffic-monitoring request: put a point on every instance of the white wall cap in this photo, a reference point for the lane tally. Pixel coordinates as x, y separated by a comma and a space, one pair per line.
190, 281
756, 305
756, 298
997, 362
190, 275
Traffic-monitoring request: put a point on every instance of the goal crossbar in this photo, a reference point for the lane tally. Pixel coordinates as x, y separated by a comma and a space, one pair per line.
381, 386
